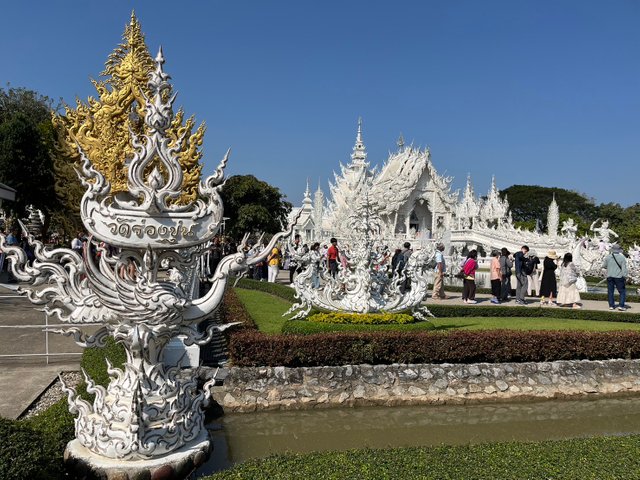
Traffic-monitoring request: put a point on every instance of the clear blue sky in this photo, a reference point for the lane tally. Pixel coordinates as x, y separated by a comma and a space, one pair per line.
535, 92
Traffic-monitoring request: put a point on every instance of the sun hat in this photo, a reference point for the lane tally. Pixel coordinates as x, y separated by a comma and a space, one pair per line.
552, 254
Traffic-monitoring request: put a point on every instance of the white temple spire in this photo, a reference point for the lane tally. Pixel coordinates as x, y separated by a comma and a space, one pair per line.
318, 210
400, 142
469, 188
553, 217
359, 155
307, 203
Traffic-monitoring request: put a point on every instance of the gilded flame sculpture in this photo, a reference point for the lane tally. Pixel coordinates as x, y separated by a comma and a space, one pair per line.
147, 411
101, 125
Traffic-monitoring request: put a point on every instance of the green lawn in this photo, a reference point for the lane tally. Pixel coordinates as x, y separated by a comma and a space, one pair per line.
267, 312
579, 459
265, 309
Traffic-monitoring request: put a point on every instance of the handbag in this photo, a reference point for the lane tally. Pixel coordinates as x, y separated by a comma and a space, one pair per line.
461, 273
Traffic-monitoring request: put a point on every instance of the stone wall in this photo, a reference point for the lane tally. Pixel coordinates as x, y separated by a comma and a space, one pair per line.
272, 388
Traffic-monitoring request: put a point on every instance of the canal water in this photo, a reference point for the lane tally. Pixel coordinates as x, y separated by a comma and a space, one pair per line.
239, 437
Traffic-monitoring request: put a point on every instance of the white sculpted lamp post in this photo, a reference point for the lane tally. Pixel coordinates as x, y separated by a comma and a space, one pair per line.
147, 419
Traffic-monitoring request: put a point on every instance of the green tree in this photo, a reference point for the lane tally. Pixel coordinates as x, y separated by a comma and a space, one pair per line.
531, 202
26, 138
253, 206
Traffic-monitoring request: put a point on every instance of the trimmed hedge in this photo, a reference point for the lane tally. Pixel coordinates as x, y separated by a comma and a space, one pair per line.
444, 311
33, 449
93, 361
362, 318
233, 310
254, 349
583, 458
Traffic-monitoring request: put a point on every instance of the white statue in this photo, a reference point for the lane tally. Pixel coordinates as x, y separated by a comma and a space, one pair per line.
569, 228
633, 264
603, 232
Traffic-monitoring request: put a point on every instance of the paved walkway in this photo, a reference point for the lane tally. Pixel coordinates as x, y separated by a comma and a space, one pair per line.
484, 299
23, 379
21, 386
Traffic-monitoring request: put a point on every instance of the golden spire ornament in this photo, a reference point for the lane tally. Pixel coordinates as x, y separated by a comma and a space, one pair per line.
101, 126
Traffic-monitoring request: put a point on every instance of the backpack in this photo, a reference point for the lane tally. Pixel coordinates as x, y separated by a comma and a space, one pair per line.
528, 265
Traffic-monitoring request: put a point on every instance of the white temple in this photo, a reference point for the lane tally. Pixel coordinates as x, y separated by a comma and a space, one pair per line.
413, 200
415, 203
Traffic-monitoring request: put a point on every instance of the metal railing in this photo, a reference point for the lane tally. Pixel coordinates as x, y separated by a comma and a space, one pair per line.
45, 328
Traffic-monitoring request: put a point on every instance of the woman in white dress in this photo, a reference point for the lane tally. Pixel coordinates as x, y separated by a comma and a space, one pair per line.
567, 291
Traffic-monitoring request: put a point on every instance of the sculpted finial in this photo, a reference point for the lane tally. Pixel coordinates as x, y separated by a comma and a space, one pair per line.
359, 155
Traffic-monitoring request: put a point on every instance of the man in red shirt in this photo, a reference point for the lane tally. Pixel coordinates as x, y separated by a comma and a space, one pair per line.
333, 257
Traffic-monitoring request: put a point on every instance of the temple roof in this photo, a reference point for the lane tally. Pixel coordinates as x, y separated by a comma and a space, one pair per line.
400, 175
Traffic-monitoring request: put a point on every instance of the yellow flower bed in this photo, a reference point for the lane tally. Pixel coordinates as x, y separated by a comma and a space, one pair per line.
383, 318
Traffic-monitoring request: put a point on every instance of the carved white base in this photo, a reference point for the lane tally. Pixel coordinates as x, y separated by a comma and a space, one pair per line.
84, 464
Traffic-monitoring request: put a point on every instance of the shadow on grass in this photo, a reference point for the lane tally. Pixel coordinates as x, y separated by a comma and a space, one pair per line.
452, 327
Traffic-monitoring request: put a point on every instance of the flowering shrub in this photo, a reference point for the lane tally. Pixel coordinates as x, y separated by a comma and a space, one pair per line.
362, 318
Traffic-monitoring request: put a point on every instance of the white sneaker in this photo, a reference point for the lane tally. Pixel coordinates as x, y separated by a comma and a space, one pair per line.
471, 301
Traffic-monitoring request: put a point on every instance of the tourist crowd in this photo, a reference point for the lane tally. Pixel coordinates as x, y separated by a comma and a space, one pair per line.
555, 280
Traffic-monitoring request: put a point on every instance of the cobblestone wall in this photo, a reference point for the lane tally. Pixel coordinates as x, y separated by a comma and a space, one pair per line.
270, 388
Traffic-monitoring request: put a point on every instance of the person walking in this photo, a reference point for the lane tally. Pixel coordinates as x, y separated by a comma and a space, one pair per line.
533, 278
568, 292
402, 266
548, 284
506, 263
273, 261
293, 261
315, 257
441, 268
77, 243
12, 240
469, 282
520, 258
496, 277
395, 260
333, 257
616, 265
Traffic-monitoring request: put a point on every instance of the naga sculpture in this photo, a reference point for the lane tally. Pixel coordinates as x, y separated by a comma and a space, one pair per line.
147, 411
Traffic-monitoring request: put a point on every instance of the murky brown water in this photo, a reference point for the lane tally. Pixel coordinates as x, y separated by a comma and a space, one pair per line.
238, 437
